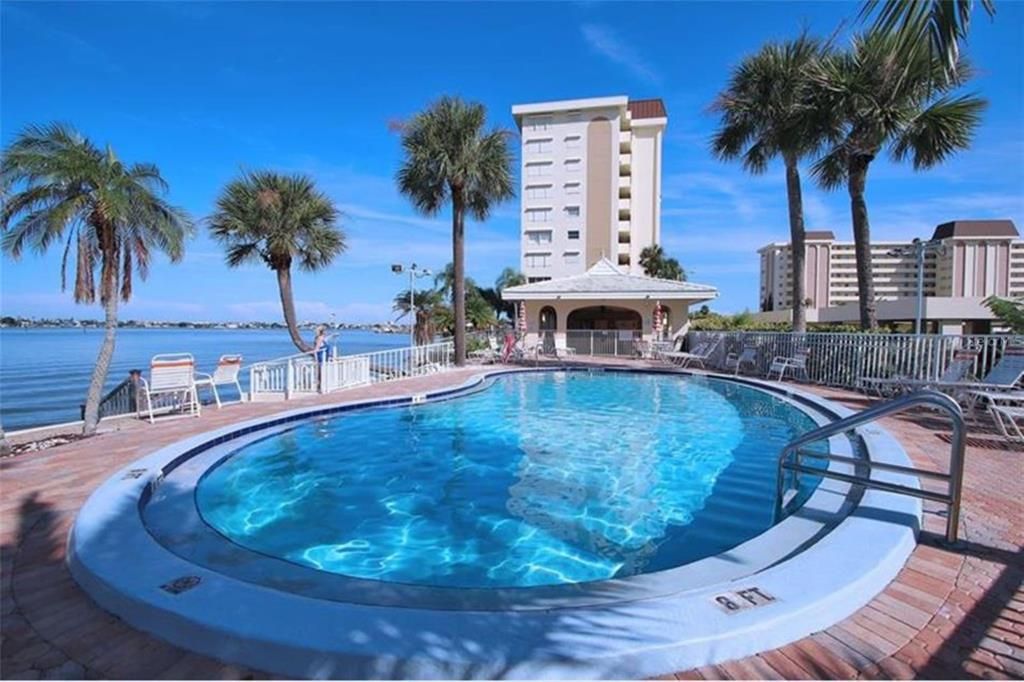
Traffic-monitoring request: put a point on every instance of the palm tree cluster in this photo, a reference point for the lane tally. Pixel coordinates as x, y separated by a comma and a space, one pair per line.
435, 306
838, 109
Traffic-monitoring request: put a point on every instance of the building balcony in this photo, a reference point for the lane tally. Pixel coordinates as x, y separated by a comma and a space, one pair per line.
625, 184
625, 141
624, 205
625, 163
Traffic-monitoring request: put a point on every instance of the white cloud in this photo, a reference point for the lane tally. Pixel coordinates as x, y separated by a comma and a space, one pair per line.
604, 41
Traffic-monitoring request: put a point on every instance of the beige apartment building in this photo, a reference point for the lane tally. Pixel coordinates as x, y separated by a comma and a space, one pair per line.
971, 260
591, 183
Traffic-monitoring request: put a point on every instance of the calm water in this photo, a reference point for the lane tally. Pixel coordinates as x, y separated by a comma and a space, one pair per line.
540, 479
44, 373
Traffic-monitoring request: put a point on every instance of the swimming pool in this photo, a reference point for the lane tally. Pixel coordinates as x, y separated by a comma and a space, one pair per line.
540, 479
567, 523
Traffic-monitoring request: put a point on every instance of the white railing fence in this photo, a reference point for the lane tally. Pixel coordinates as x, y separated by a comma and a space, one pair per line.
841, 359
602, 341
298, 375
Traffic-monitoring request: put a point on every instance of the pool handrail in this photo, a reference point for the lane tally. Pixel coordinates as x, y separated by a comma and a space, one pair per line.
954, 477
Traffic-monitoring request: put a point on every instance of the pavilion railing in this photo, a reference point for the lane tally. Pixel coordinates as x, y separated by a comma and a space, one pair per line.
842, 359
603, 341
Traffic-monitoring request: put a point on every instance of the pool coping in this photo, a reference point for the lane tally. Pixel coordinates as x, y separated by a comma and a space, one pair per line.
294, 635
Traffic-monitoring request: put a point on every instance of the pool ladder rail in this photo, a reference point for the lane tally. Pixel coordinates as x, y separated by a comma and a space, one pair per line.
792, 455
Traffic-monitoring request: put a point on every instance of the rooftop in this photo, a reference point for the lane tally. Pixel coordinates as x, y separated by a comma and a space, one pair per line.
605, 280
975, 228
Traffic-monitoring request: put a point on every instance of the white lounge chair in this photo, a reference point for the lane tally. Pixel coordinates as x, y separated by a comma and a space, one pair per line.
748, 357
562, 348
959, 368
228, 369
172, 374
797, 363
1008, 419
698, 355
487, 355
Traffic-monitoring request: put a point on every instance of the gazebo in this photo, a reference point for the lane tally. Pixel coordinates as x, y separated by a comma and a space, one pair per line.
604, 310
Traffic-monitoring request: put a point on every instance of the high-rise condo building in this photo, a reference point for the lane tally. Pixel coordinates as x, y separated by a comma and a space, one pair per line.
591, 183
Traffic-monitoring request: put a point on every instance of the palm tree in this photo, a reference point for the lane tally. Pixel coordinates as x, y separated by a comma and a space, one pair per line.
509, 277
278, 219
656, 264
429, 303
450, 157
939, 24
766, 111
70, 191
879, 97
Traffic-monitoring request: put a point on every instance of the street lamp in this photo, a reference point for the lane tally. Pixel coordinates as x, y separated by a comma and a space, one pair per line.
414, 272
918, 249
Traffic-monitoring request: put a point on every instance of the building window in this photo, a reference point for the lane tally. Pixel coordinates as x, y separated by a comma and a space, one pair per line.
538, 260
542, 146
538, 215
571, 257
573, 165
538, 191
539, 124
572, 142
572, 188
574, 234
572, 211
531, 280
538, 236
573, 116
536, 170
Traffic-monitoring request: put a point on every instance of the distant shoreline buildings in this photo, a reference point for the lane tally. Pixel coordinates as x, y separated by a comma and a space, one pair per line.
969, 261
10, 322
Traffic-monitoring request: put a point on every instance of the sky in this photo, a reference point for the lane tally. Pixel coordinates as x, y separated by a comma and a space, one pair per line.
207, 90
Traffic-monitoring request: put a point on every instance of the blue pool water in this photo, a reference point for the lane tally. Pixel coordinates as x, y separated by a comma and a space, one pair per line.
541, 479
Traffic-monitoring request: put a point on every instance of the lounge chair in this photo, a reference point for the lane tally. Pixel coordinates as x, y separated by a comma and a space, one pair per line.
959, 368
797, 363
699, 354
228, 369
562, 348
1008, 419
172, 374
748, 356
487, 355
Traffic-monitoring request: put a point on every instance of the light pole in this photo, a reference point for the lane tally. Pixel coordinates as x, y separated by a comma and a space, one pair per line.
918, 249
414, 272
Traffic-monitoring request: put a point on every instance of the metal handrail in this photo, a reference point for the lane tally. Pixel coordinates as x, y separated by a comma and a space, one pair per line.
954, 477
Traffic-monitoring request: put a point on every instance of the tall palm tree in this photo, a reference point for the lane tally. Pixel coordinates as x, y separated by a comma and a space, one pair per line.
61, 188
656, 264
940, 24
449, 157
278, 220
766, 112
879, 96
509, 277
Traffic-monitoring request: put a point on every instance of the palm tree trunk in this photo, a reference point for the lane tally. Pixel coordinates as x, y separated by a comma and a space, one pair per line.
459, 285
797, 240
284, 287
99, 372
858, 175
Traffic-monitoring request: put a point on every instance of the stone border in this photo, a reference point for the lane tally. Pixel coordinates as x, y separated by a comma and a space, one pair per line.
292, 635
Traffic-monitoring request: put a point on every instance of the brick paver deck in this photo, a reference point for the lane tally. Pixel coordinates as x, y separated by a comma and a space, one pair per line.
949, 614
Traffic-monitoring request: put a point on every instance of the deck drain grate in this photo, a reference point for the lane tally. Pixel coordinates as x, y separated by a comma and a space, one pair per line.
182, 584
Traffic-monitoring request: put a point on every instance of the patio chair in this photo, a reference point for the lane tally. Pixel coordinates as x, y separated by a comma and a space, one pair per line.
171, 374
487, 355
562, 348
229, 367
958, 369
797, 363
699, 354
1009, 419
748, 356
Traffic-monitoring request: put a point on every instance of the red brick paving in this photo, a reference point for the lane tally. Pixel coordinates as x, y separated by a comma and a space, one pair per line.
950, 613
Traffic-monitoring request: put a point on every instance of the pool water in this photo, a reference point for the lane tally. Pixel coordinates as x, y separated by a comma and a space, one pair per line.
541, 479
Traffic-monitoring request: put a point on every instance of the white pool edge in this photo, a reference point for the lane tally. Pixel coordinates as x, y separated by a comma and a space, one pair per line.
291, 635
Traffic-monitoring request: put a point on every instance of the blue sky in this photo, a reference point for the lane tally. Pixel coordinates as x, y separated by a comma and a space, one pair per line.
204, 90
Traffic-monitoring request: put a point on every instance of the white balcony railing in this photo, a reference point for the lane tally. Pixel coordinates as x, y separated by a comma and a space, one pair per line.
298, 375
